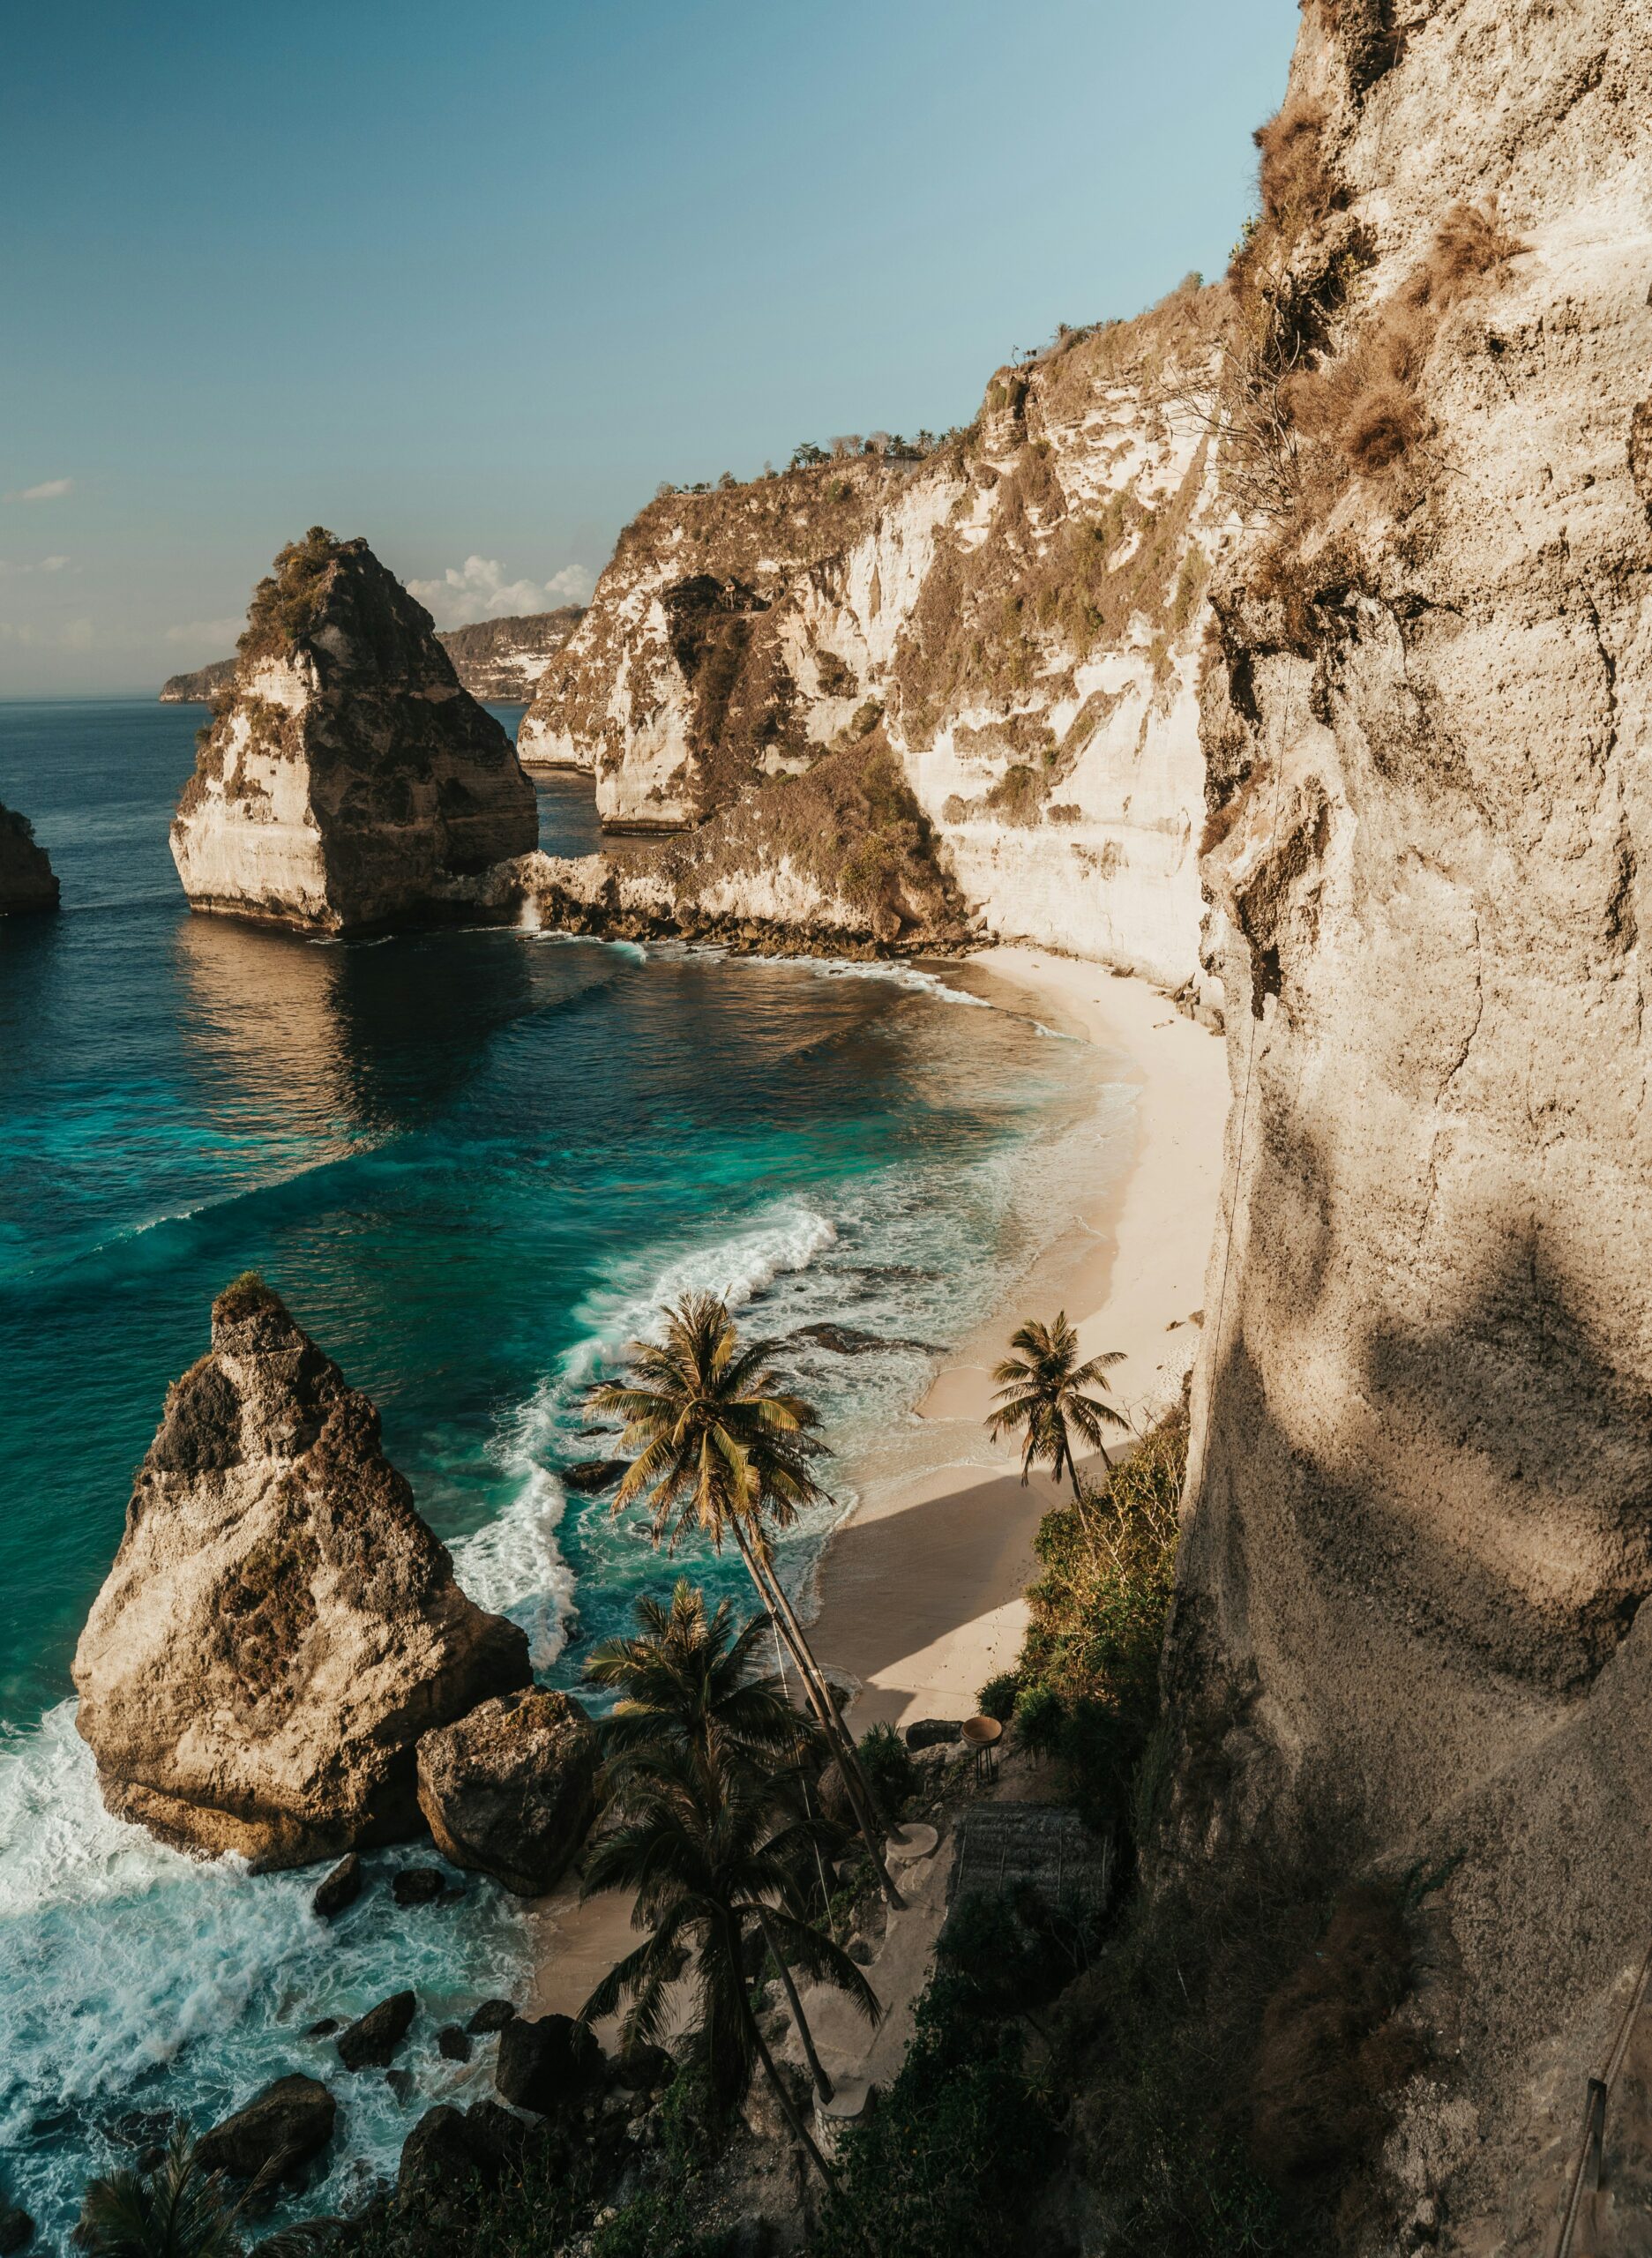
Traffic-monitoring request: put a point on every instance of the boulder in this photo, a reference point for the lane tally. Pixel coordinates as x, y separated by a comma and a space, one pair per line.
590, 1474
279, 2129
280, 1626
548, 2066
369, 2043
510, 1789
338, 1889
640, 2067
492, 2015
419, 1885
453, 2043
451, 2149
933, 1733
26, 877
345, 775
17, 2230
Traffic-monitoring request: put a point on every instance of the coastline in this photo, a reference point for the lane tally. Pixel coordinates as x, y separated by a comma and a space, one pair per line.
918, 1594
920, 1591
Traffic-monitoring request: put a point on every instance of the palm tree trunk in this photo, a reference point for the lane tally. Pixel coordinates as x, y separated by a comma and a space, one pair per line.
822, 2082
774, 1598
797, 1640
788, 2107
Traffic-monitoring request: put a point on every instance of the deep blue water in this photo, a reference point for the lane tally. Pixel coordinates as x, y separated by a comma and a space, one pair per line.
475, 1163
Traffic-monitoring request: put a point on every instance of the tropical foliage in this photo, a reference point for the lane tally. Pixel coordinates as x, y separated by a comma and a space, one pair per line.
1041, 1396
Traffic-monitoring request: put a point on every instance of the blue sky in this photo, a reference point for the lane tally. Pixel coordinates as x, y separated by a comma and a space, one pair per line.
473, 282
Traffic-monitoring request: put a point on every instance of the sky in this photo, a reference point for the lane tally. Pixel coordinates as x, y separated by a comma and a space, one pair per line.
472, 282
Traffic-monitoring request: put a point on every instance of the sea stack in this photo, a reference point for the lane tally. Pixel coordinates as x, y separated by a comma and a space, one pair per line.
27, 880
345, 774
280, 1625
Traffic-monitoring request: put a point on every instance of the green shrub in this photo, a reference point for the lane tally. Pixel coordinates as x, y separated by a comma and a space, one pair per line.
996, 1697
887, 1763
943, 2166
1041, 1719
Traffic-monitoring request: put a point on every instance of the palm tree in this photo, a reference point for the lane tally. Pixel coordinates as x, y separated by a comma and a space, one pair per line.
712, 1854
689, 1677
180, 2210
1042, 1391
721, 1447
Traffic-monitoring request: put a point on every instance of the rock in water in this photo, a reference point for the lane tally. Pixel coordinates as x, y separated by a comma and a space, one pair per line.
546, 2066
509, 1790
340, 1889
280, 1626
370, 2042
280, 2128
345, 772
25, 873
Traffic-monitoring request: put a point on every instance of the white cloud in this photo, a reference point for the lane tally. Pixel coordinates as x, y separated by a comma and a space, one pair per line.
218, 634
8, 571
478, 589
49, 489
574, 584
54, 564
72, 635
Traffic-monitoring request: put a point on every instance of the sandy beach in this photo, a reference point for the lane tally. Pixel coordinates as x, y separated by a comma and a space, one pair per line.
919, 1594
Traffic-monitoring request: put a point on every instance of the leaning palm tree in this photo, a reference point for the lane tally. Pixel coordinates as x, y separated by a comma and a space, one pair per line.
178, 2210
1041, 1394
722, 1449
688, 1677
713, 1854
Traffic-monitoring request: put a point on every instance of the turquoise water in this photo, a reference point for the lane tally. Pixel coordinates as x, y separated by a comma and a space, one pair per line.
475, 1163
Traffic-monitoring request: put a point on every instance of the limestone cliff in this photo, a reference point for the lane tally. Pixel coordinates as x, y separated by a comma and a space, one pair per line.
501, 661
345, 774
200, 687
280, 1626
1419, 1535
1019, 613
26, 879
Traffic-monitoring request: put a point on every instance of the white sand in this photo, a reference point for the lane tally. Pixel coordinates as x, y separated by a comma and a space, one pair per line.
920, 1593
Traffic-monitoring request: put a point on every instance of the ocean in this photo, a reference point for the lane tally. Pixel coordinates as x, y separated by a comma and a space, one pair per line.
475, 1163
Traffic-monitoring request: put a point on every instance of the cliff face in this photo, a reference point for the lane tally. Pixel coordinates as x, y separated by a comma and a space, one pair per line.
502, 660
26, 880
200, 687
345, 774
280, 1626
1418, 1535
499, 662
1019, 614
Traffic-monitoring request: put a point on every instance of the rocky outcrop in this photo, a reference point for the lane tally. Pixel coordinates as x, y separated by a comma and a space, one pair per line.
549, 2066
499, 662
1411, 1622
1015, 620
279, 1627
27, 880
374, 2038
345, 774
276, 2134
510, 1789
200, 687
504, 661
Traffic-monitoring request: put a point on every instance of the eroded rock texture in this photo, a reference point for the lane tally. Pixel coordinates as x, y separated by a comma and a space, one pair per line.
1010, 623
345, 775
1421, 1493
510, 1789
280, 1625
26, 880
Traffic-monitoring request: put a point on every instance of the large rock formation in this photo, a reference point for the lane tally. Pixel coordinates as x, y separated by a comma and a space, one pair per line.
499, 662
510, 1789
504, 661
280, 1626
345, 774
27, 880
1419, 1538
1013, 620
200, 687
